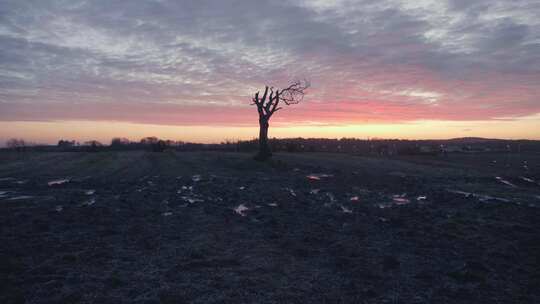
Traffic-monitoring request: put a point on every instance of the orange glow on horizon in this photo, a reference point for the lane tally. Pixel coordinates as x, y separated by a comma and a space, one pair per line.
51, 132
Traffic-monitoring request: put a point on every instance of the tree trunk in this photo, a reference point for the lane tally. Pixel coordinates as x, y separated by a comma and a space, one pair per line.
264, 148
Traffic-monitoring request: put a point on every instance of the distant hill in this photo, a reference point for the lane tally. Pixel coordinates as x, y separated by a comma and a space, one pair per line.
473, 140
466, 140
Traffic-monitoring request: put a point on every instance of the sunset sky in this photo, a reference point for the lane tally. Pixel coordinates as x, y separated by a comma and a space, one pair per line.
186, 70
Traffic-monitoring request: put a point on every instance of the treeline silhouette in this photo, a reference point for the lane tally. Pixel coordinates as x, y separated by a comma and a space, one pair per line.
382, 147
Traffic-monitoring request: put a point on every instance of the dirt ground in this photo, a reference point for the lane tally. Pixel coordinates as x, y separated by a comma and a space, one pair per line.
142, 227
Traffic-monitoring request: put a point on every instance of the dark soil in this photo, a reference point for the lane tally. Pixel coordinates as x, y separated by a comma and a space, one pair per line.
142, 227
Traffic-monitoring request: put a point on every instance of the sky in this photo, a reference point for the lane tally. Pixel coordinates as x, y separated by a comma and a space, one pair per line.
187, 70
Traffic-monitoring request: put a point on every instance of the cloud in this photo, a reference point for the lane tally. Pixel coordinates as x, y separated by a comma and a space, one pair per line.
169, 62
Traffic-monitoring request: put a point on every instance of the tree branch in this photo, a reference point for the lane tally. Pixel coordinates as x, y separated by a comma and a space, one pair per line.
268, 103
256, 99
295, 92
264, 95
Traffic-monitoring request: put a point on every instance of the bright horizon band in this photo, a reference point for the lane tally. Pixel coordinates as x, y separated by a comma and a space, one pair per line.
103, 131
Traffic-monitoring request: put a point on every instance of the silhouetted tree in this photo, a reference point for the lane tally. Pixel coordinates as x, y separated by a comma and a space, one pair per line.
149, 140
93, 145
159, 146
16, 144
118, 143
66, 144
268, 104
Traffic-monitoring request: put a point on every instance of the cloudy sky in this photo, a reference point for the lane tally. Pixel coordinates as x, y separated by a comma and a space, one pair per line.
187, 69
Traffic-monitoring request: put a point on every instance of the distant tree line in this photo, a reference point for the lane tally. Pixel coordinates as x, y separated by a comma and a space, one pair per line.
389, 147
379, 147
118, 144
16, 144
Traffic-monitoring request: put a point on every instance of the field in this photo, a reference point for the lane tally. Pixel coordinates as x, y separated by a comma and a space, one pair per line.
142, 227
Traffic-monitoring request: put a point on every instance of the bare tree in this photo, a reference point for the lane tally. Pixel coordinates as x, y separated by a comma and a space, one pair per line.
268, 104
152, 140
16, 144
66, 144
120, 141
93, 145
